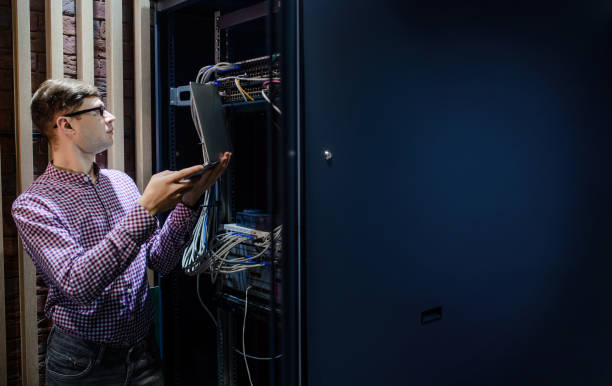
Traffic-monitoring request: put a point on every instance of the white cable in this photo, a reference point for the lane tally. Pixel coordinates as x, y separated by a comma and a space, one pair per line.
195, 257
225, 243
246, 303
263, 93
240, 90
246, 78
258, 358
202, 302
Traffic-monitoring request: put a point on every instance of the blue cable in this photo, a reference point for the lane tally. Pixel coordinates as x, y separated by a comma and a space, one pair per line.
243, 235
236, 67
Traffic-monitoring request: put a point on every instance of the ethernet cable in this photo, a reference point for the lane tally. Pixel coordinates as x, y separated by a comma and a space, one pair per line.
247, 79
246, 303
263, 93
202, 302
259, 358
244, 93
196, 257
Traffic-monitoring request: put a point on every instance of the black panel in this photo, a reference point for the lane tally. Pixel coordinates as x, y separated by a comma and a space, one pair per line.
470, 171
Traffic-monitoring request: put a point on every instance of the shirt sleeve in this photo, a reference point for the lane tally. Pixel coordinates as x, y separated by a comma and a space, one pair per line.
165, 248
81, 275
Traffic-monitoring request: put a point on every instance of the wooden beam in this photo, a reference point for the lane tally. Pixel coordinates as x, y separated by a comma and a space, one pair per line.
114, 80
142, 90
3, 358
142, 97
54, 33
85, 40
23, 128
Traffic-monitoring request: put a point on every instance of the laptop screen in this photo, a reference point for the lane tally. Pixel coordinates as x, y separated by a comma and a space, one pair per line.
210, 119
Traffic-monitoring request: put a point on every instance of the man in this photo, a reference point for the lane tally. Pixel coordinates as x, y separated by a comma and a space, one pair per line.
92, 235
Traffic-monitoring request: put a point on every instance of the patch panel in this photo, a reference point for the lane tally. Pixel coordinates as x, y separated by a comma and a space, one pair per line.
252, 68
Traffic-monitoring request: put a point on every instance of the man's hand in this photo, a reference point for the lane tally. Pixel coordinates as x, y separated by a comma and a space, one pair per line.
205, 181
165, 189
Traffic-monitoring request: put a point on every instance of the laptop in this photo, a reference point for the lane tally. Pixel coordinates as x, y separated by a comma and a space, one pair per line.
210, 118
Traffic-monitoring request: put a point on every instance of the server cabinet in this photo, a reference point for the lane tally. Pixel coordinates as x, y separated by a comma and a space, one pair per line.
450, 188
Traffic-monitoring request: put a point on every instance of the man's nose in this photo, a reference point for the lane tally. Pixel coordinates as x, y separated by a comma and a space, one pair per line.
108, 117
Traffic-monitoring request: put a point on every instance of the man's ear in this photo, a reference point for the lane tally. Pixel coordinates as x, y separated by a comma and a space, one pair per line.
64, 127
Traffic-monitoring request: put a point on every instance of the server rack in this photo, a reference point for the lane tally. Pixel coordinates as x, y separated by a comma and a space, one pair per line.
188, 36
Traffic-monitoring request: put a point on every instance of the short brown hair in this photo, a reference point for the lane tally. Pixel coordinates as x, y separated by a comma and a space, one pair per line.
58, 96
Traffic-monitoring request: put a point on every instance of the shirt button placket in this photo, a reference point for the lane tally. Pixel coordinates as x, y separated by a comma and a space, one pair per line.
129, 292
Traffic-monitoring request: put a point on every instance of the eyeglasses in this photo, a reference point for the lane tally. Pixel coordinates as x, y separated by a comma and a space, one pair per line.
100, 109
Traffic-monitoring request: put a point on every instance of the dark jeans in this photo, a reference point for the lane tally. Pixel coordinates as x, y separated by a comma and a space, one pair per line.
72, 360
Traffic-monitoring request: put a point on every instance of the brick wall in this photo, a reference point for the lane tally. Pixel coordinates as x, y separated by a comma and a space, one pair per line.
40, 151
70, 67
128, 89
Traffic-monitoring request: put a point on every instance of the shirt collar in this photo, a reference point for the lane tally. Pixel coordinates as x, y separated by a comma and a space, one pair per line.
70, 176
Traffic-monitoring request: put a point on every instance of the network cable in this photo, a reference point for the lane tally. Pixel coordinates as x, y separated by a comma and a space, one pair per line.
246, 362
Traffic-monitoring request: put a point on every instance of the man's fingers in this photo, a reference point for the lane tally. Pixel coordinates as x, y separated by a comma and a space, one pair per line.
184, 173
211, 176
184, 185
226, 157
223, 164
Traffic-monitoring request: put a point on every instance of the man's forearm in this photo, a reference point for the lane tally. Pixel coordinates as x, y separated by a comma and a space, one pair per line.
165, 248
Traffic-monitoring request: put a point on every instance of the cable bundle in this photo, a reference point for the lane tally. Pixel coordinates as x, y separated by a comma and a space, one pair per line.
224, 261
196, 258
205, 73
200, 256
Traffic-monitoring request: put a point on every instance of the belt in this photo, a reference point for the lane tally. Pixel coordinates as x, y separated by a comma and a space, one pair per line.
110, 352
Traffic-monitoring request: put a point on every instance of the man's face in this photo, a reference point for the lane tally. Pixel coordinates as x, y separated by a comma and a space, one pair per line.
93, 133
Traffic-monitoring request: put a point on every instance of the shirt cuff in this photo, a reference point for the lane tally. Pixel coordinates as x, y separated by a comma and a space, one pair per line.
182, 221
184, 216
139, 224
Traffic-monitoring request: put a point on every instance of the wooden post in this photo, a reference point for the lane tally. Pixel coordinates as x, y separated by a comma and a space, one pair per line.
114, 80
22, 74
142, 97
54, 27
3, 358
85, 39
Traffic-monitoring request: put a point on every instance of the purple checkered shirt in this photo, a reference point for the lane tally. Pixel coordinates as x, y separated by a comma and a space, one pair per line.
92, 242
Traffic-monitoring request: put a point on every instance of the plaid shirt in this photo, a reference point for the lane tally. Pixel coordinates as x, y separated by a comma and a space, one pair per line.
92, 242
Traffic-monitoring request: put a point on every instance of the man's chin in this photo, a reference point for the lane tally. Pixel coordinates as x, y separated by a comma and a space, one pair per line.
106, 147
